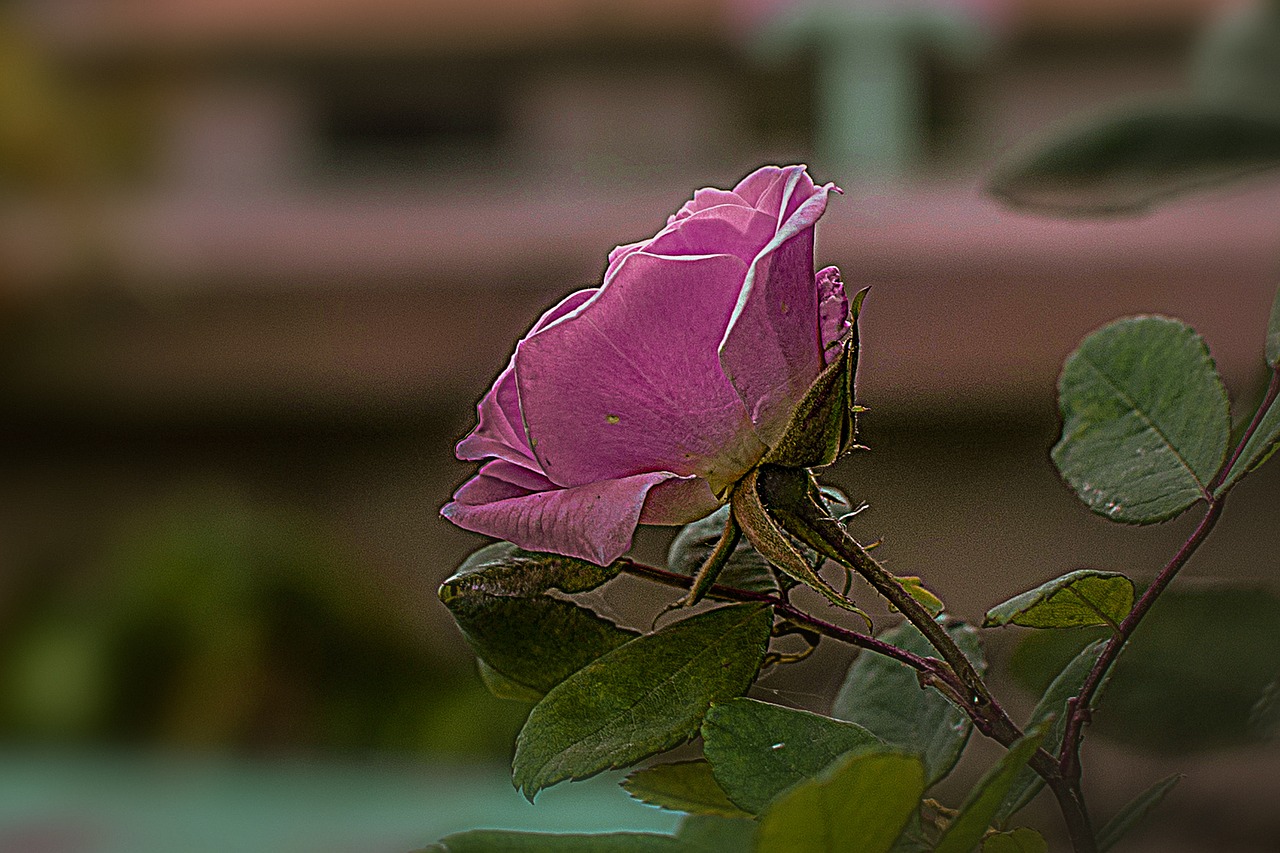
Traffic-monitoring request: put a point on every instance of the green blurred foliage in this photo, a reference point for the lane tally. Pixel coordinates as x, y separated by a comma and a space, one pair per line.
216, 623
1191, 677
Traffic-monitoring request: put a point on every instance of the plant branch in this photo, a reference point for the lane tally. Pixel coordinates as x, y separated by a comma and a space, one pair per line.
930, 667
933, 672
1079, 708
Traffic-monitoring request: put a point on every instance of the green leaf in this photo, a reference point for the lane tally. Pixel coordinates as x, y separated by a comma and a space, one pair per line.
758, 750
746, 569
1133, 813
504, 569
822, 424
886, 698
710, 834
1020, 840
1127, 159
502, 841
1051, 713
534, 643
1080, 598
1145, 420
504, 688
528, 641
861, 803
642, 698
684, 786
985, 799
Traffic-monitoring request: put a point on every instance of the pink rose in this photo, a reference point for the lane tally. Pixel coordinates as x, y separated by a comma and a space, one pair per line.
644, 400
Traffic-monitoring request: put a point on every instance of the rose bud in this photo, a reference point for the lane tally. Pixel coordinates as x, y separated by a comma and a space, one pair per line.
643, 401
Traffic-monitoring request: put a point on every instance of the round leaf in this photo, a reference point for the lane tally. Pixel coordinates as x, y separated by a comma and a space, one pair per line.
1145, 420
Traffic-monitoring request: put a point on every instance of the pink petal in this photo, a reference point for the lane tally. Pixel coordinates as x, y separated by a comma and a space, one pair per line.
631, 381
705, 198
499, 480
729, 229
500, 432
772, 350
679, 500
763, 185
833, 312
594, 521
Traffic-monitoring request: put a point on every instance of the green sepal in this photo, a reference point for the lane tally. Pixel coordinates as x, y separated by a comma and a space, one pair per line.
756, 519
724, 550
824, 423
745, 569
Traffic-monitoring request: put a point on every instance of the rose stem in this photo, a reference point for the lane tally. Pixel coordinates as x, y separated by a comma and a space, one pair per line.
1078, 708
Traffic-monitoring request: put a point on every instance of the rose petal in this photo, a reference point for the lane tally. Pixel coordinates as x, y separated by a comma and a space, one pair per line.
761, 184
499, 480
772, 350
705, 198
729, 229
833, 312
595, 521
500, 431
679, 500
631, 382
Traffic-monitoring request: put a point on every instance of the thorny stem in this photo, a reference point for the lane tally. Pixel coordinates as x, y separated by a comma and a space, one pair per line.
977, 701
929, 667
1079, 708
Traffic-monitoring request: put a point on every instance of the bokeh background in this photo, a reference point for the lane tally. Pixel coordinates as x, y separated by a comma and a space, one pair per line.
258, 260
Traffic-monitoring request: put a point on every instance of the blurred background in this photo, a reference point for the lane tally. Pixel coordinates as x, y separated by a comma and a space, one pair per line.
259, 260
